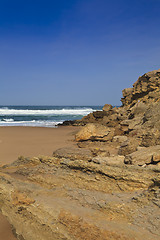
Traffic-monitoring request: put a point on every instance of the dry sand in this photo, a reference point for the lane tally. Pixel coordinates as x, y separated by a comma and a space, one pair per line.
30, 141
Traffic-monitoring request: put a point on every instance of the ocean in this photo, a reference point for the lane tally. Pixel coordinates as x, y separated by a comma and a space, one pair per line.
42, 116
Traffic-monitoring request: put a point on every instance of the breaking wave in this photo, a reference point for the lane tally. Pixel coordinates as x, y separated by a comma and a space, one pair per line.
83, 112
42, 116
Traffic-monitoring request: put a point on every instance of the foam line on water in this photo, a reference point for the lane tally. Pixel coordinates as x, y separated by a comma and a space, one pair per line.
32, 123
63, 111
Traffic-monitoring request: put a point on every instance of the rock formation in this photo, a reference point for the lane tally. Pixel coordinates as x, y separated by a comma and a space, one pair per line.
146, 88
106, 187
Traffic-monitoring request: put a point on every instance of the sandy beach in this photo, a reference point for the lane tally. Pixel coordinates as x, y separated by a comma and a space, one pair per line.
32, 141
29, 141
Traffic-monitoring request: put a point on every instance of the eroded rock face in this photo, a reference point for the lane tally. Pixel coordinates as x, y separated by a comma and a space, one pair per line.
138, 119
146, 88
58, 198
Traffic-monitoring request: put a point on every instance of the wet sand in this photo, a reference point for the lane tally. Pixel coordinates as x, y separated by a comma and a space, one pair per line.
28, 142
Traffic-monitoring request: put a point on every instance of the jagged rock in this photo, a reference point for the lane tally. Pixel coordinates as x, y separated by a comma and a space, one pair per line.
95, 132
127, 96
107, 107
142, 89
150, 155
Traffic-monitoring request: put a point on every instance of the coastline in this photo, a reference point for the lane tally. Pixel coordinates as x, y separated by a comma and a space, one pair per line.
103, 182
30, 141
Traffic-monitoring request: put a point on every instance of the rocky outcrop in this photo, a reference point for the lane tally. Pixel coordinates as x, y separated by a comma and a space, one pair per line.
138, 119
146, 88
58, 198
105, 187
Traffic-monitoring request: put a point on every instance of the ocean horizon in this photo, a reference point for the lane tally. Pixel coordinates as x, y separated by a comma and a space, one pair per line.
42, 116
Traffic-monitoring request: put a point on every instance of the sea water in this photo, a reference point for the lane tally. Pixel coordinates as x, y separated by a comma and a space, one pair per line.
42, 116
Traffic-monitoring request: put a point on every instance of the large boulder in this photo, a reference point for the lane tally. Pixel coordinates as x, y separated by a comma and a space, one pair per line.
95, 132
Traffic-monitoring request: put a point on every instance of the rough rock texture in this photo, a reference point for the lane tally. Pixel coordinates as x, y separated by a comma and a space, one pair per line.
106, 187
138, 118
107, 107
73, 153
57, 198
95, 132
146, 88
150, 155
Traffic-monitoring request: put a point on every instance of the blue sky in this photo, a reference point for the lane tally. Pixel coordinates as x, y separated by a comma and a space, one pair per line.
75, 52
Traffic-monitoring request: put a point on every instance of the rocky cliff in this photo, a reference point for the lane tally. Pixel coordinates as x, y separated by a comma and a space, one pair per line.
145, 89
106, 187
139, 116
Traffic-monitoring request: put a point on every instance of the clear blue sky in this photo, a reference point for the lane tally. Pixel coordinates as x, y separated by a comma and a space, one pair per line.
75, 52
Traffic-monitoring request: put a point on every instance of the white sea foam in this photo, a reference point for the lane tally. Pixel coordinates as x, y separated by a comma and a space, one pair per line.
22, 112
8, 119
32, 123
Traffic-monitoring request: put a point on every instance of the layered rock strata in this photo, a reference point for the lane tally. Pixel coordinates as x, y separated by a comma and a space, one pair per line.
58, 198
